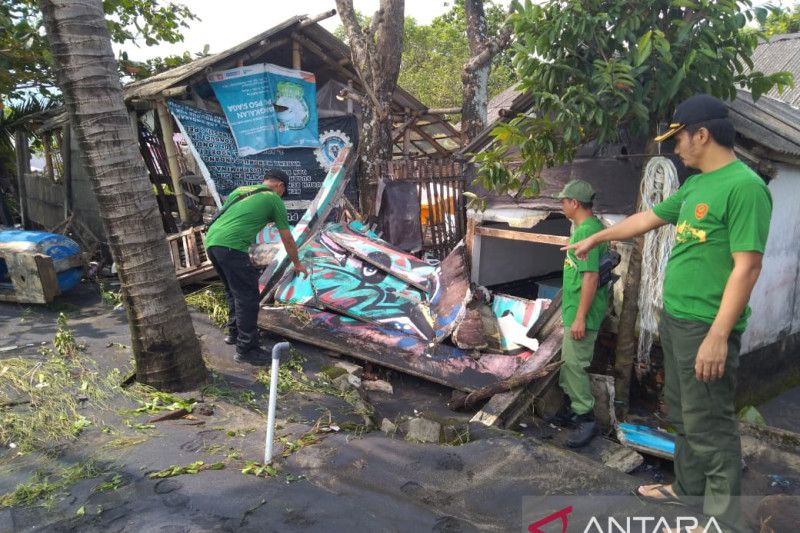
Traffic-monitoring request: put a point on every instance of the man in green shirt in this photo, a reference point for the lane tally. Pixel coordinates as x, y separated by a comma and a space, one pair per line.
245, 212
583, 307
722, 220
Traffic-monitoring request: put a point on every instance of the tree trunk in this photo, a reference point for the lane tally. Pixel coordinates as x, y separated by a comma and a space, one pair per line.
625, 351
164, 343
475, 77
376, 54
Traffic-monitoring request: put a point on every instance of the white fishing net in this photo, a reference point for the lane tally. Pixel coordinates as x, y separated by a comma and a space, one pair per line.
659, 182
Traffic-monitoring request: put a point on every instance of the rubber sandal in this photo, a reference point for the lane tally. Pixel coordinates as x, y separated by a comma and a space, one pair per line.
666, 499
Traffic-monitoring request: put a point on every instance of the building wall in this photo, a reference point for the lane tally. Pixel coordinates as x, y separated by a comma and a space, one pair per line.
46, 197
776, 297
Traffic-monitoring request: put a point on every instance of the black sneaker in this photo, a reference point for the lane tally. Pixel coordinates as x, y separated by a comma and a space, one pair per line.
585, 429
230, 339
565, 416
254, 355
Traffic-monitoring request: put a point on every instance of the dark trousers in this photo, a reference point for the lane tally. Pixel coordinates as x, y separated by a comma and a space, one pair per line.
240, 278
708, 453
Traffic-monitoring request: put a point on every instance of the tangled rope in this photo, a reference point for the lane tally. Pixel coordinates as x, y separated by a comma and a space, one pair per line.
660, 181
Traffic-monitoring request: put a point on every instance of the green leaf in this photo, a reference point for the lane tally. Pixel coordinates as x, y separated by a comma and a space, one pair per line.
643, 48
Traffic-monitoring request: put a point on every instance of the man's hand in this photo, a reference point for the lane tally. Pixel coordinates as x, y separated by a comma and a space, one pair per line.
582, 248
300, 268
578, 329
710, 362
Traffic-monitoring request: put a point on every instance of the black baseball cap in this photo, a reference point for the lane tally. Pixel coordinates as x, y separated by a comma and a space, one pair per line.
277, 174
695, 109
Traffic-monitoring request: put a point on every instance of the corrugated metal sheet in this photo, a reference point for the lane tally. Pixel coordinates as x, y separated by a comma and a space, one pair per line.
771, 123
782, 52
155, 84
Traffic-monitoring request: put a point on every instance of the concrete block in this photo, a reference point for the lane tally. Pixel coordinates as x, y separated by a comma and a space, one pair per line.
346, 382
388, 427
350, 368
622, 459
423, 430
378, 386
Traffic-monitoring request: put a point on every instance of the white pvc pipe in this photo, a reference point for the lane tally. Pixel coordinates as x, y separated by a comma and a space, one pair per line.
280, 349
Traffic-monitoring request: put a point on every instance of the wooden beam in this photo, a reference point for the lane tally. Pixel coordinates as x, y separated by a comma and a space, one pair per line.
515, 235
433, 142
296, 64
167, 133
316, 18
497, 410
315, 49
175, 91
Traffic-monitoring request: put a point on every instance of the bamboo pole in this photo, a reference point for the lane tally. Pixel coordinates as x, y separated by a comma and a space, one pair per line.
296, 64
66, 163
23, 167
167, 134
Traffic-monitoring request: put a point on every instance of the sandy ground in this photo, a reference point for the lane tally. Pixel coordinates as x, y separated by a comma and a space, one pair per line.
353, 479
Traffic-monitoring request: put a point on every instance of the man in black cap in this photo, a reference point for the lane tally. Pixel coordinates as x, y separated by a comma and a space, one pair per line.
246, 211
722, 220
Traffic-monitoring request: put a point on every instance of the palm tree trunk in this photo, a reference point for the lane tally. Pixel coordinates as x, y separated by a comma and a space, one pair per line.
164, 343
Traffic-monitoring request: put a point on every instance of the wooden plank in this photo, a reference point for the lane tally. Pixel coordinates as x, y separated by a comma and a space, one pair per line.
33, 279
72, 261
191, 246
500, 405
522, 236
441, 363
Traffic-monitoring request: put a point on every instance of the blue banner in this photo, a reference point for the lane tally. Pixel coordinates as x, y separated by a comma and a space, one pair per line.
245, 95
295, 94
268, 107
214, 148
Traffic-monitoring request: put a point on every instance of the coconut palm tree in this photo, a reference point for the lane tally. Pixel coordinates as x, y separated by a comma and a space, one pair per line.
164, 343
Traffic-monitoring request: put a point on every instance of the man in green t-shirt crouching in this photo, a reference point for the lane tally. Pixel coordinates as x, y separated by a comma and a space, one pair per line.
583, 307
722, 220
246, 211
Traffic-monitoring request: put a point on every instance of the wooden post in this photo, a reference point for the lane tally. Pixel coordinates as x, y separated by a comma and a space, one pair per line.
349, 101
406, 136
23, 167
296, 54
167, 133
66, 163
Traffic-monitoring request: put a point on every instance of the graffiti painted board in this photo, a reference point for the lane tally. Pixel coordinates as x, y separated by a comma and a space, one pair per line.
384, 256
313, 218
451, 292
440, 363
515, 316
344, 284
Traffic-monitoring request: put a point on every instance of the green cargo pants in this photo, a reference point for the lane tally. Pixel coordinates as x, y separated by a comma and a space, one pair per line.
576, 356
708, 449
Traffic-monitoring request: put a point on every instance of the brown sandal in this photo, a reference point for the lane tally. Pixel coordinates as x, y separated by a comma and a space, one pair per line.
667, 497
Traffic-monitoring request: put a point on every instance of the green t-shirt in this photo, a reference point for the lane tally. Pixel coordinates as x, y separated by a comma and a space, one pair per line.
716, 214
240, 223
573, 277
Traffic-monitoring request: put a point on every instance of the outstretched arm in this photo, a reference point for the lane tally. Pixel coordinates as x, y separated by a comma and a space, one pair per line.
291, 251
632, 226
